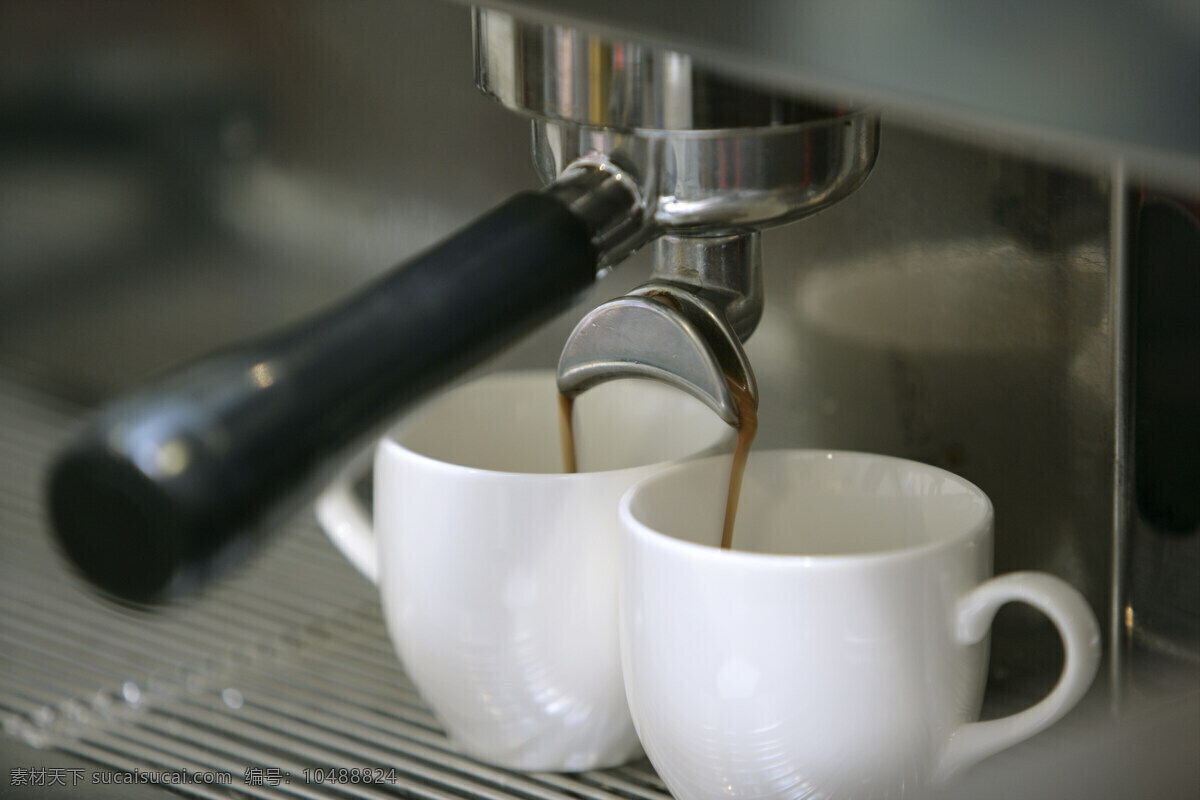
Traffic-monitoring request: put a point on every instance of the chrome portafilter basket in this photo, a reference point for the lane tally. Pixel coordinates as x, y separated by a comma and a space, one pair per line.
715, 162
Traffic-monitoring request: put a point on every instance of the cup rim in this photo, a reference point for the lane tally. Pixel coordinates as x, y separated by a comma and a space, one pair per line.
633, 527
388, 441
400, 451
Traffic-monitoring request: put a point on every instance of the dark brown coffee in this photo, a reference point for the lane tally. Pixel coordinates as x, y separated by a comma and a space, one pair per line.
566, 429
747, 427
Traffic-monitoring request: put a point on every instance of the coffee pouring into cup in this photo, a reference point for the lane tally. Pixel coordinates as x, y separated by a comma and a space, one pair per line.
497, 570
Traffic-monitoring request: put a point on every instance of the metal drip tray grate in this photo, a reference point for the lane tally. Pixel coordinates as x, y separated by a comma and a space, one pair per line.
271, 685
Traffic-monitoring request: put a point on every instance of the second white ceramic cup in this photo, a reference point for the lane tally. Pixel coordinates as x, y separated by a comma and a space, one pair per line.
840, 650
498, 573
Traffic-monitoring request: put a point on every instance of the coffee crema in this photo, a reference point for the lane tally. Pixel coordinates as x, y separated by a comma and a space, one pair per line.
747, 428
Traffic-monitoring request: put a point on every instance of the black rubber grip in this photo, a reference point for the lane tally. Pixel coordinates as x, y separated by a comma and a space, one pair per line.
166, 486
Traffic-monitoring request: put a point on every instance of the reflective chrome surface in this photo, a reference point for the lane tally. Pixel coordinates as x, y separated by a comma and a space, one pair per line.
728, 178
685, 327
707, 151
724, 268
663, 332
566, 74
609, 202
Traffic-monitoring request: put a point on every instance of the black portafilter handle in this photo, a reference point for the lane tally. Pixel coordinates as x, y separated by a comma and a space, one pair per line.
166, 486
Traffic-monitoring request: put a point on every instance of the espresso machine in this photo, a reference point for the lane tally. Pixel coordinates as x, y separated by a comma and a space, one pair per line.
996, 278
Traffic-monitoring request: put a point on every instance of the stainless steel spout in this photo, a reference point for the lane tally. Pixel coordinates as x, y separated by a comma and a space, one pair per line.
725, 269
685, 327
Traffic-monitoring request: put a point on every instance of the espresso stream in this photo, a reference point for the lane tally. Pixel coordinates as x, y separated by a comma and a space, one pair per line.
747, 427
566, 430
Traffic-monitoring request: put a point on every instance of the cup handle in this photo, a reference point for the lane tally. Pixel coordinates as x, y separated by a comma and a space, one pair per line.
347, 522
1069, 611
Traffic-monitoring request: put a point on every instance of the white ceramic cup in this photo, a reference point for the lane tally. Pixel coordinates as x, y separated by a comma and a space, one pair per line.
840, 649
498, 573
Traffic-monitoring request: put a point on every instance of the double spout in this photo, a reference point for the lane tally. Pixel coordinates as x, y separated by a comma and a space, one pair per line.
684, 327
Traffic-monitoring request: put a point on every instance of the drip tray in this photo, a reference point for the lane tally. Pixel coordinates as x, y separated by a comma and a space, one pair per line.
278, 682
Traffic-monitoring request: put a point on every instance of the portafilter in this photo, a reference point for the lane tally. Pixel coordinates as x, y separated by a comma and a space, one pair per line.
164, 487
